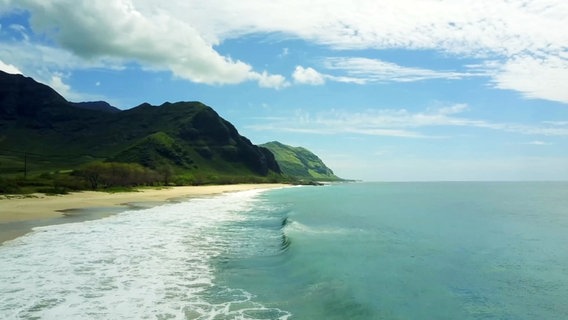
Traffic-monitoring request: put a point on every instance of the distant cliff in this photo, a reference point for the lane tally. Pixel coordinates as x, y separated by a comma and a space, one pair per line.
300, 163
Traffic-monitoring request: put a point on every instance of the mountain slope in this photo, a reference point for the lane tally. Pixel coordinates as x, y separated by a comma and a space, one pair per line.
300, 163
41, 128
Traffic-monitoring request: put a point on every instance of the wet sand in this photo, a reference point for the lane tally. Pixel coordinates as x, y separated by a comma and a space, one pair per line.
19, 214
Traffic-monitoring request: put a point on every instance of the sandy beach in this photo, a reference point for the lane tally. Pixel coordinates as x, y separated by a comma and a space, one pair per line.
18, 214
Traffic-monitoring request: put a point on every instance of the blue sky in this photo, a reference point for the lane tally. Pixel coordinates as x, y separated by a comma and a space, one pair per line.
380, 90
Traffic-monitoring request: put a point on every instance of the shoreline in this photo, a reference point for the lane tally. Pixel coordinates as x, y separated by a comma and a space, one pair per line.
19, 215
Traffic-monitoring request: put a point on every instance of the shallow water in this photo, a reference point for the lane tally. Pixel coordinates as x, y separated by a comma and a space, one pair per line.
144, 264
350, 251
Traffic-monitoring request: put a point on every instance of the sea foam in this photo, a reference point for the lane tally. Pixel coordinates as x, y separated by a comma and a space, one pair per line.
146, 264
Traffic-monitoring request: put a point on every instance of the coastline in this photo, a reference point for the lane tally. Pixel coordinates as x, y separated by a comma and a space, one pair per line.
19, 215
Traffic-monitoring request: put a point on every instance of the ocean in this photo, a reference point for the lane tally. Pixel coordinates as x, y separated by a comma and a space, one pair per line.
445, 250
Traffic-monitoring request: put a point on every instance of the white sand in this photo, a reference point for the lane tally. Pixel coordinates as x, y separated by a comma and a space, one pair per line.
13, 209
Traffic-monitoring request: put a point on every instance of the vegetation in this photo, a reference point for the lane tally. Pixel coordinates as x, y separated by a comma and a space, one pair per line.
57, 183
113, 174
300, 163
48, 144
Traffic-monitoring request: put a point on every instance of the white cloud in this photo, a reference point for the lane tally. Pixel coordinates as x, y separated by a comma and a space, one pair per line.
21, 30
399, 123
460, 26
307, 76
545, 78
265, 80
374, 70
9, 68
34, 59
453, 109
359, 70
56, 82
182, 35
133, 31
406, 168
556, 123
49, 65
538, 143
485, 29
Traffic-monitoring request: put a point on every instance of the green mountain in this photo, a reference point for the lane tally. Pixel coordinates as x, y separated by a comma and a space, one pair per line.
42, 132
300, 163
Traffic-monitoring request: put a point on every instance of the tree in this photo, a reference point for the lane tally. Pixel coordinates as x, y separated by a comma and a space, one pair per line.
92, 172
116, 174
166, 172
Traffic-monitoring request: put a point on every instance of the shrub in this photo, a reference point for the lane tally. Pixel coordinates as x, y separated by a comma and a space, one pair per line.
116, 174
9, 186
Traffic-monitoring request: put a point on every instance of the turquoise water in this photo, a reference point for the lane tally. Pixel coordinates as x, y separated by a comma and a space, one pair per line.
415, 251
347, 251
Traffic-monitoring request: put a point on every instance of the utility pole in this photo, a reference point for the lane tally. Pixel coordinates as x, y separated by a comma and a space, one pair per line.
25, 165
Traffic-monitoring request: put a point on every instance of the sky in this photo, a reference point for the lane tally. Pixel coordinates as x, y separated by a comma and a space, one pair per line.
406, 90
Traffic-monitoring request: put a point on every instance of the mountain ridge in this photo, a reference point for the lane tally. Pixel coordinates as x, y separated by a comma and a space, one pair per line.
35, 118
42, 133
